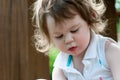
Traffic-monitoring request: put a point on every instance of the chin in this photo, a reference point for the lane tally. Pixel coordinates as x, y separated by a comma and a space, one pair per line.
74, 54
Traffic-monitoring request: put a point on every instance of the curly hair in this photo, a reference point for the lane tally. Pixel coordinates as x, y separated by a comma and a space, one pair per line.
90, 10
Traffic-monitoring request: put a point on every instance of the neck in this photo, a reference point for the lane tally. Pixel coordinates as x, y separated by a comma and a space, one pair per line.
77, 62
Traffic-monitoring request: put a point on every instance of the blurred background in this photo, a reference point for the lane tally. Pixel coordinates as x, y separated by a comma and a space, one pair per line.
117, 7
19, 60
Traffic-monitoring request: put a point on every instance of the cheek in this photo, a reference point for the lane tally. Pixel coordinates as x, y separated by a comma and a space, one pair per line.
83, 40
57, 43
60, 45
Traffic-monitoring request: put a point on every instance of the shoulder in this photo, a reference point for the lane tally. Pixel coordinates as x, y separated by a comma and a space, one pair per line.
112, 52
61, 60
59, 65
58, 74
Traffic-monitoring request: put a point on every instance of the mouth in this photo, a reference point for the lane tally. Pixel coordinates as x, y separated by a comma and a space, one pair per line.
72, 49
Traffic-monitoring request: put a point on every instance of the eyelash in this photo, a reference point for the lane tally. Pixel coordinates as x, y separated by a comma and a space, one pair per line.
58, 37
74, 31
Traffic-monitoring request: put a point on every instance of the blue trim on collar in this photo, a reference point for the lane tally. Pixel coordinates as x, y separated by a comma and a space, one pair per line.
69, 60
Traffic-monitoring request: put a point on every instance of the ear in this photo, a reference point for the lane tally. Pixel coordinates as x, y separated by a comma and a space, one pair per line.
93, 14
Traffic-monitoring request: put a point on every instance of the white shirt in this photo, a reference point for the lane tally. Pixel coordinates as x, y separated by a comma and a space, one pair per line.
95, 64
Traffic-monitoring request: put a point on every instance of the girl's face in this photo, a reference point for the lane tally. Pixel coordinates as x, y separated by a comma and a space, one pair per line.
72, 36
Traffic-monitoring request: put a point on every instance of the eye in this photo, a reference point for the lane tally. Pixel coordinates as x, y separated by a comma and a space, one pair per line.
58, 37
74, 31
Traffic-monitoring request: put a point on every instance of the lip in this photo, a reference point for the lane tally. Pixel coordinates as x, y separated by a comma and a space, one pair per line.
72, 48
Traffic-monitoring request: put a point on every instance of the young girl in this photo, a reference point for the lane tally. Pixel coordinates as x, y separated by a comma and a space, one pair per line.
73, 26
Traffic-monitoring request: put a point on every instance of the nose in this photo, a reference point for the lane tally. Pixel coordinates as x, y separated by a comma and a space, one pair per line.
69, 38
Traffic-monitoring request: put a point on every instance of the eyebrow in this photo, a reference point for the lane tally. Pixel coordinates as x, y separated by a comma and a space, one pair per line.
68, 28
75, 25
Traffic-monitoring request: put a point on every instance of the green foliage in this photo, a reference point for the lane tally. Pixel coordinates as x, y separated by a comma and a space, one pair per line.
118, 26
117, 5
52, 55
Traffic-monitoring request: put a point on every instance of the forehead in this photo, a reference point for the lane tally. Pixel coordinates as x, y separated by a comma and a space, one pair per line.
52, 24
63, 26
50, 21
